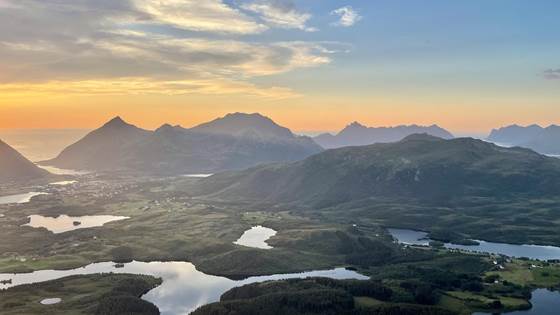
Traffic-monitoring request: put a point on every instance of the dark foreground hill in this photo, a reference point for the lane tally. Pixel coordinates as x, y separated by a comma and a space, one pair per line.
419, 167
356, 134
543, 140
235, 141
15, 167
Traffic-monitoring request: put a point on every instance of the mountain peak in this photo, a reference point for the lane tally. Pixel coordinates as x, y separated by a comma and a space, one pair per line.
355, 124
245, 124
116, 122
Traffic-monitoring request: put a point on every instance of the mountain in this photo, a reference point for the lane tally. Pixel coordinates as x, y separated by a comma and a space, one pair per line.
235, 141
104, 148
15, 167
543, 140
419, 167
357, 134
240, 124
546, 142
514, 134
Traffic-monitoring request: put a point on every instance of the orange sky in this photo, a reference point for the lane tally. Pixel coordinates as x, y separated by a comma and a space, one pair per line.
310, 65
299, 114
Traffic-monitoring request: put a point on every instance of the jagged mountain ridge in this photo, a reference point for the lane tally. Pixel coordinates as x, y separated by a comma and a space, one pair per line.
356, 134
543, 140
235, 141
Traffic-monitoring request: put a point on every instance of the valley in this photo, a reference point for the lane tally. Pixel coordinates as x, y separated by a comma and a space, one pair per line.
168, 222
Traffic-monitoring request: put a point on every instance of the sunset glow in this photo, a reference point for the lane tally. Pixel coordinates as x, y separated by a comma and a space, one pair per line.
76, 64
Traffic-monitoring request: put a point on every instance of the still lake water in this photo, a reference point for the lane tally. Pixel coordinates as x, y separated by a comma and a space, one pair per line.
197, 175
64, 183
411, 237
51, 301
184, 288
64, 223
256, 237
544, 302
20, 198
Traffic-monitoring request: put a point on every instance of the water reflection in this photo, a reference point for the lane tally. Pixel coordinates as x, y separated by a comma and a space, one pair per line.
20, 198
64, 223
64, 183
411, 237
198, 175
544, 302
184, 288
51, 301
256, 237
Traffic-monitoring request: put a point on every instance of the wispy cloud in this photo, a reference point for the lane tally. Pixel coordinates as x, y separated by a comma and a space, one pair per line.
552, 74
196, 15
78, 45
282, 14
347, 16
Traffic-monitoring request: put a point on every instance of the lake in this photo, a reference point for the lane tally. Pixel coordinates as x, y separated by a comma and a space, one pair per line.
256, 237
20, 198
412, 237
197, 175
64, 223
544, 302
64, 183
184, 288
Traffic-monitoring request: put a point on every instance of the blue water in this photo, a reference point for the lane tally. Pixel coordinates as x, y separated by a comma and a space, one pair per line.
411, 237
544, 302
184, 288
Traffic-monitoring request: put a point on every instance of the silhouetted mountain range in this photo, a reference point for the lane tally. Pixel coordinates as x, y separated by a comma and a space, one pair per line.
15, 167
419, 167
235, 141
543, 140
357, 134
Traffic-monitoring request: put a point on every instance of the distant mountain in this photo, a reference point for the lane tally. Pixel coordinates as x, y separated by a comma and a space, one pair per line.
15, 167
419, 167
235, 141
543, 140
240, 124
103, 148
356, 134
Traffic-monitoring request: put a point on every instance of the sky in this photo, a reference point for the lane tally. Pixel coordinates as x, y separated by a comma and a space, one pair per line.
311, 65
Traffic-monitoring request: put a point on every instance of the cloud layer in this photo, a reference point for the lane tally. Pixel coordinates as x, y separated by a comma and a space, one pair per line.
347, 16
280, 14
151, 46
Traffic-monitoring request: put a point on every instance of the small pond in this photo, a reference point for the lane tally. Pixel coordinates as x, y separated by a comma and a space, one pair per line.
64, 223
198, 175
20, 198
184, 288
412, 237
256, 237
51, 301
64, 183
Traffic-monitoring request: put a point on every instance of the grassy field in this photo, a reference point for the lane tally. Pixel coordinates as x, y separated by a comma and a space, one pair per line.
531, 274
